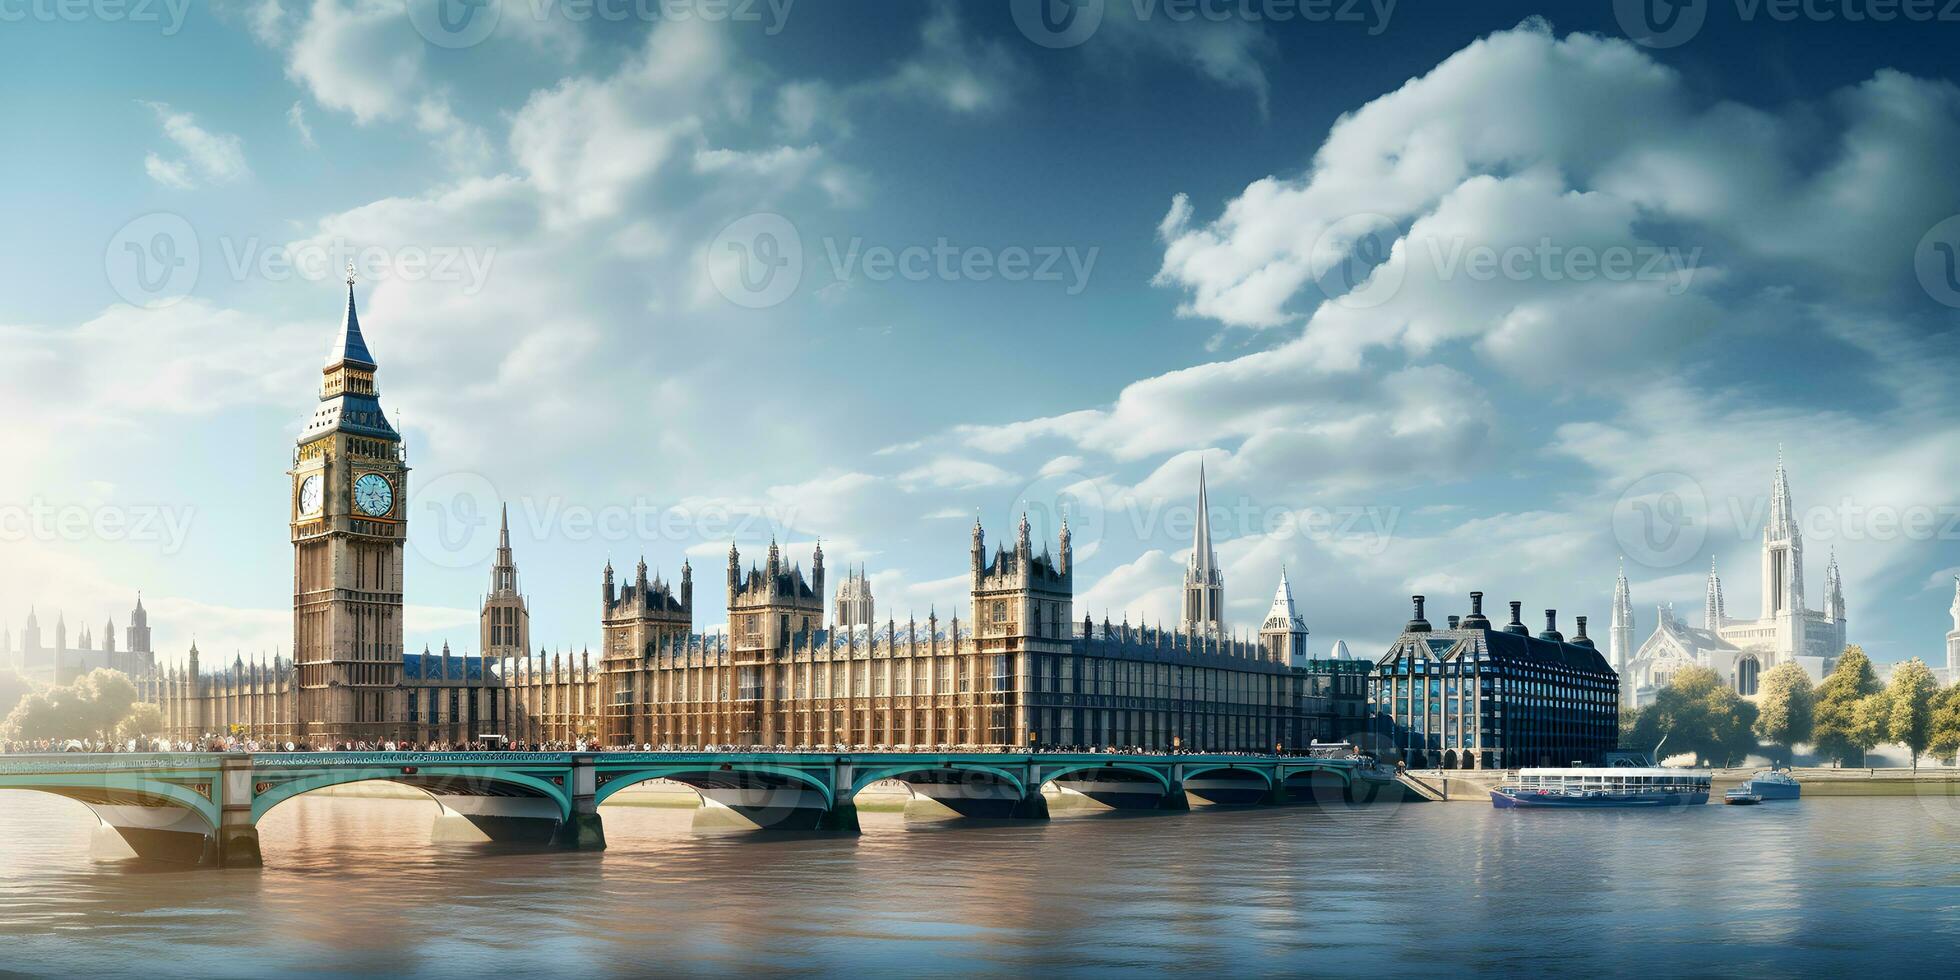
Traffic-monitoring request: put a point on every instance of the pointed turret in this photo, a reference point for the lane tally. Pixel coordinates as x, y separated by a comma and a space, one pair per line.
1714, 609
1284, 634
1833, 590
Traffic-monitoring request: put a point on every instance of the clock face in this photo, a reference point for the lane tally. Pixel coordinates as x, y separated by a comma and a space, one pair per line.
373, 495
311, 490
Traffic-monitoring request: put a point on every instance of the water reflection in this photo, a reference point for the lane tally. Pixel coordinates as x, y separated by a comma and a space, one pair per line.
354, 886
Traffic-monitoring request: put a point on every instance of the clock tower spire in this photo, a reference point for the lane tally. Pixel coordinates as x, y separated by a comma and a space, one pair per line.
349, 527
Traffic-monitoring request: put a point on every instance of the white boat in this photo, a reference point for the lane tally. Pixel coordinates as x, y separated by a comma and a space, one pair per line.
1615, 786
1773, 784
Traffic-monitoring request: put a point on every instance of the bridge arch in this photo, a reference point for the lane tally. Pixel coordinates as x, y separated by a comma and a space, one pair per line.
616, 781
1163, 780
109, 789
436, 781
899, 773
1228, 767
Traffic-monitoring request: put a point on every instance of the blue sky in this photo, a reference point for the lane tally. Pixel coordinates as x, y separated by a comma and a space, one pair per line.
1257, 239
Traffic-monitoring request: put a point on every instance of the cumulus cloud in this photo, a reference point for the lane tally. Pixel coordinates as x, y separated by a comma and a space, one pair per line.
1603, 144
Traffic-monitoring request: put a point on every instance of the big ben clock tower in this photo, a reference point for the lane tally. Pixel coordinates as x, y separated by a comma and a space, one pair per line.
350, 522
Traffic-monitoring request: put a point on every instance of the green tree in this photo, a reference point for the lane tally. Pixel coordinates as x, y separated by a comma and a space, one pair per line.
1835, 728
1910, 702
91, 707
13, 687
1699, 715
143, 720
1784, 711
1945, 742
1868, 723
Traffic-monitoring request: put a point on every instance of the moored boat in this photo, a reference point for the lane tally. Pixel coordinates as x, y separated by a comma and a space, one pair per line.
1587, 788
1773, 784
1740, 796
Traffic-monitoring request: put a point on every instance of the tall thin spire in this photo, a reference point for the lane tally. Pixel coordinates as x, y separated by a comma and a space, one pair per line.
1202, 559
1619, 637
1714, 610
1204, 586
350, 347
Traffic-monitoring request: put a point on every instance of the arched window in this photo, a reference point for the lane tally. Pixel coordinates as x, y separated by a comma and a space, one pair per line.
1747, 672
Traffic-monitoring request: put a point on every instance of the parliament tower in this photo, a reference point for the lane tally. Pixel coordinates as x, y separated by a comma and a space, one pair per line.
349, 506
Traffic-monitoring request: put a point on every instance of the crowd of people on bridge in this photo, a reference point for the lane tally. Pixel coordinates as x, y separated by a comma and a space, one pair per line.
237, 743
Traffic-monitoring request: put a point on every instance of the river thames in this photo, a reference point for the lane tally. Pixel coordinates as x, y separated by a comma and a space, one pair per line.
352, 886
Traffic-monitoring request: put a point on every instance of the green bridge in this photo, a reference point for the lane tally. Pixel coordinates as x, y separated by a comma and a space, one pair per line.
204, 809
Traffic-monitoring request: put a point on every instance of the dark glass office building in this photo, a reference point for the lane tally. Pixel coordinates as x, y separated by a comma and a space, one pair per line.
1479, 696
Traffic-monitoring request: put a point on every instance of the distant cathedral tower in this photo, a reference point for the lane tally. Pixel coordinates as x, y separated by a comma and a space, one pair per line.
349, 526
1833, 591
1953, 638
1204, 586
1782, 552
1619, 639
854, 605
505, 615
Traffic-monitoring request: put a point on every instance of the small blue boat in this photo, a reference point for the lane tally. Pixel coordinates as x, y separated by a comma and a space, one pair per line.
1773, 784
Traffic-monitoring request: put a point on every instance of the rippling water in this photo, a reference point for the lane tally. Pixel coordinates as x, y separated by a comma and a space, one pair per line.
352, 886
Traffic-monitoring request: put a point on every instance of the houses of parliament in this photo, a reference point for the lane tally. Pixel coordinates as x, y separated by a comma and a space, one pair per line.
1020, 670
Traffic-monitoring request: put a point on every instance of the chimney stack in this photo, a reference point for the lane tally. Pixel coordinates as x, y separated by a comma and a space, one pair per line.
1418, 624
1551, 627
1476, 619
1454, 622
1582, 640
1516, 625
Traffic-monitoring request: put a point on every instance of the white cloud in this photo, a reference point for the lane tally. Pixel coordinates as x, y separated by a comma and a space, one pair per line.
296, 118
217, 158
953, 69
175, 176
954, 473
